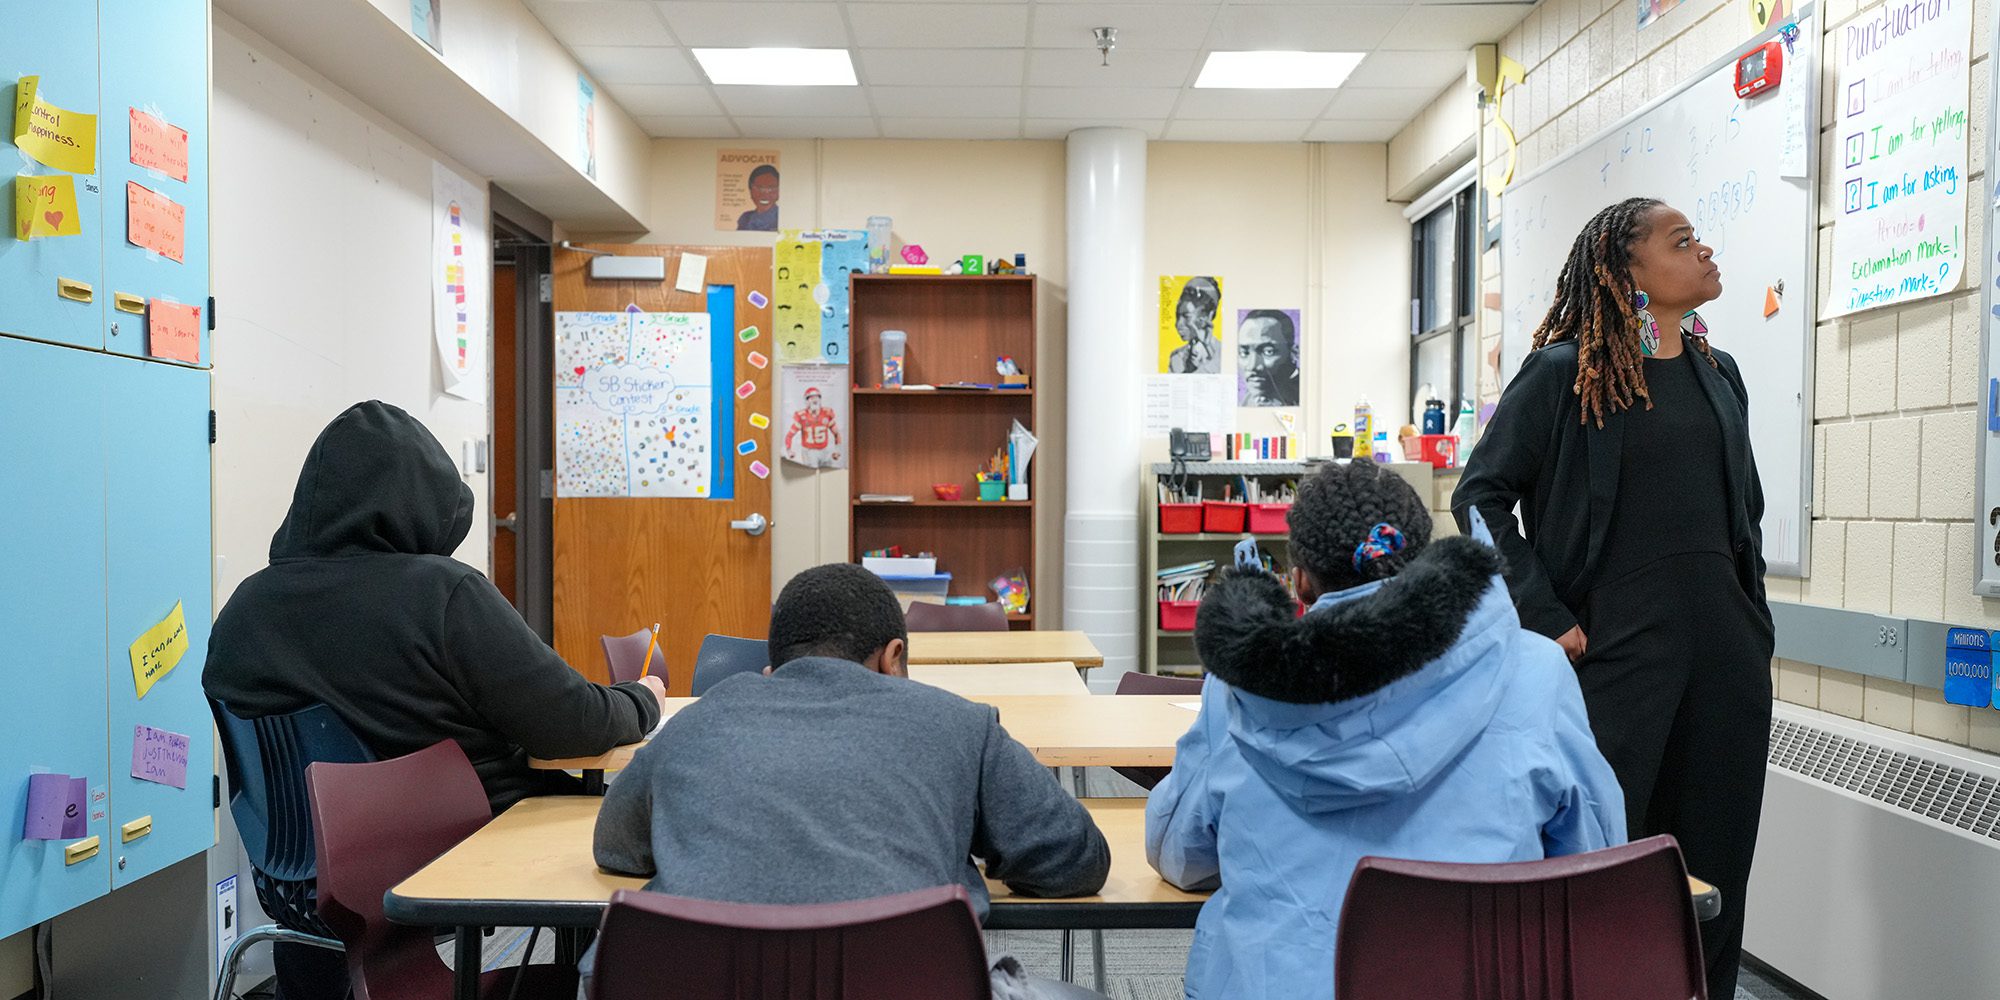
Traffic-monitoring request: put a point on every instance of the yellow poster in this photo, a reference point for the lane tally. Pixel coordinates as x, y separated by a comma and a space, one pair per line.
795, 314
55, 137
1189, 343
158, 650
45, 206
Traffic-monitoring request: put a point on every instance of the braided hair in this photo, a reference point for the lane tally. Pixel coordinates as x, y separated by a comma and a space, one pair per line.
1593, 306
1335, 514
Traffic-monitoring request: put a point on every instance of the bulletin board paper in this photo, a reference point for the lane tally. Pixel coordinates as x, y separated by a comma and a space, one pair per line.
810, 310
635, 407
1901, 108
462, 282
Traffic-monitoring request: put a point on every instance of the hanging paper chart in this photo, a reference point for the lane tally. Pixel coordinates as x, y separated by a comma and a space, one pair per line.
809, 293
635, 405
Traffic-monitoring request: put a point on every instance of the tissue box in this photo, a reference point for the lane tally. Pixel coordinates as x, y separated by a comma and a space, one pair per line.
886, 567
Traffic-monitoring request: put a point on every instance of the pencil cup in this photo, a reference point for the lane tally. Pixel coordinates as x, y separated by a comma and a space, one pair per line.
992, 489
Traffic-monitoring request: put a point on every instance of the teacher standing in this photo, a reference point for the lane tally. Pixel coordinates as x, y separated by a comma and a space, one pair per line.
1624, 439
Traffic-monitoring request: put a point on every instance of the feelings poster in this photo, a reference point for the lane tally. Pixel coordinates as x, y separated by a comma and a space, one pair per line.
635, 405
809, 293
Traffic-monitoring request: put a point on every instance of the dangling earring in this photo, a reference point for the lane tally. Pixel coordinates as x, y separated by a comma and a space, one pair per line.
1649, 330
1692, 325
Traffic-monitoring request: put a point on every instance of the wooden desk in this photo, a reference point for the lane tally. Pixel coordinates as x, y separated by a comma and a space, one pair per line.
973, 680
1062, 730
1004, 647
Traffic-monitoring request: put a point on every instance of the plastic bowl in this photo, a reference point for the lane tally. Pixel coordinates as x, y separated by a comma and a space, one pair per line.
947, 491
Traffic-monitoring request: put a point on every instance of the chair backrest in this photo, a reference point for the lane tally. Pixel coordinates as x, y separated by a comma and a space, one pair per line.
1612, 923
924, 616
266, 760
378, 823
724, 655
1135, 682
625, 656
913, 944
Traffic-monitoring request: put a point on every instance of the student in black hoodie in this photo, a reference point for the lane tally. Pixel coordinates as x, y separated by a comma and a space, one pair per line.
363, 609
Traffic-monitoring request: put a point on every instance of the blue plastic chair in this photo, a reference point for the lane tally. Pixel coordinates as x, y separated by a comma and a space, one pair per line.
266, 760
724, 656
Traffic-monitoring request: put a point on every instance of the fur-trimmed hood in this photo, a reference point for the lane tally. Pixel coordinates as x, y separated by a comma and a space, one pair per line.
1377, 689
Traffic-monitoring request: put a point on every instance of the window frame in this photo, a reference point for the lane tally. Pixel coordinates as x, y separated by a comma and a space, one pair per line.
1464, 257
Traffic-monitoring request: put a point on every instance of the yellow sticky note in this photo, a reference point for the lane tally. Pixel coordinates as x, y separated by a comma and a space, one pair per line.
55, 137
158, 650
45, 206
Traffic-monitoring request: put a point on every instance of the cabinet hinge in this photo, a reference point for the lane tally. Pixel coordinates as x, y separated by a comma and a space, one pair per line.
211, 427
216, 785
211, 314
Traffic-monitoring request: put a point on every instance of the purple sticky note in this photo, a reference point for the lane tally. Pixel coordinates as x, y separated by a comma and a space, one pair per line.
74, 810
48, 794
159, 756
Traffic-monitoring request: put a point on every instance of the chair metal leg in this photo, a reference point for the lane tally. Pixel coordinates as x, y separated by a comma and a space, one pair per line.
1068, 957
225, 983
465, 964
1097, 959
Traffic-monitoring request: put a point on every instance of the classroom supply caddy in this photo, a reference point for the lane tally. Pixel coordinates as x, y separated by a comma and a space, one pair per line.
914, 443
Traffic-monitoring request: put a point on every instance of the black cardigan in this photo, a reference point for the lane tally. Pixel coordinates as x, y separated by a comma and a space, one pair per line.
1563, 473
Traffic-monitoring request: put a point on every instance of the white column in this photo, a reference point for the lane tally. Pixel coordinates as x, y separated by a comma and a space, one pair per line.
1108, 327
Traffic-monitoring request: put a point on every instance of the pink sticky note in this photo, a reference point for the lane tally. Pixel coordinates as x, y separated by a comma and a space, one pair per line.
159, 756
155, 222
173, 331
159, 146
758, 300
758, 360
745, 390
760, 470
48, 795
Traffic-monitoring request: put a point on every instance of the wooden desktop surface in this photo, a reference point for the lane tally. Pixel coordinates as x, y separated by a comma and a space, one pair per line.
974, 680
1061, 730
1004, 647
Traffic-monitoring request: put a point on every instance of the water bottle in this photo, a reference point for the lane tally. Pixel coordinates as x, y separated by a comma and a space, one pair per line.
894, 343
1434, 416
878, 246
1381, 450
1364, 430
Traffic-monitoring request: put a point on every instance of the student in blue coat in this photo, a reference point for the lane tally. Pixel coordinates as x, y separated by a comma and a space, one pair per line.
1408, 714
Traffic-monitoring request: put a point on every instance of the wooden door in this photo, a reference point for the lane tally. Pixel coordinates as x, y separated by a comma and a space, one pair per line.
621, 562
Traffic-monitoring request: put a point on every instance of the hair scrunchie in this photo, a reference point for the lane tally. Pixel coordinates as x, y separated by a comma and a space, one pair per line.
1382, 540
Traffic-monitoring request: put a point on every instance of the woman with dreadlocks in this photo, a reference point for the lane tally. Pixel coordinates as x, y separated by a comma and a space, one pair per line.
1624, 439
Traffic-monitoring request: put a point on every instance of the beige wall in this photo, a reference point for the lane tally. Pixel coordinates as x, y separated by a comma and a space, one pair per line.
1436, 142
1286, 225
1895, 390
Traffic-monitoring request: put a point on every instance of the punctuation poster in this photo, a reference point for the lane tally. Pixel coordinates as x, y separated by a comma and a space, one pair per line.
1901, 105
635, 404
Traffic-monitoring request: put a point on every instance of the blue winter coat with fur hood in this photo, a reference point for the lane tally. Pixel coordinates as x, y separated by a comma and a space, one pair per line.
1409, 718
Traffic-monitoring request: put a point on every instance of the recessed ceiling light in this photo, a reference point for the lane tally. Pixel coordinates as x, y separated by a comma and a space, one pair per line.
1277, 70
778, 67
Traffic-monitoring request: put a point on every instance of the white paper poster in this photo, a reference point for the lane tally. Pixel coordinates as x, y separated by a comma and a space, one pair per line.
1189, 402
815, 409
1901, 106
461, 282
635, 404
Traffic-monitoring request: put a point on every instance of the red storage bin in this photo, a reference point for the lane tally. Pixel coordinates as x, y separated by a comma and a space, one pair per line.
1269, 518
1180, 518
1226, 518
1178, 616
1441, 450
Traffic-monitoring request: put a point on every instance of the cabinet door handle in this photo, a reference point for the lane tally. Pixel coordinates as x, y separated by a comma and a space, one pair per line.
128, 302
134, 830
82, 850
73, 290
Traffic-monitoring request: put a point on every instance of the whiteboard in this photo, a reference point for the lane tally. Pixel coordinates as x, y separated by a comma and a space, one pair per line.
1722, 160
1986, 514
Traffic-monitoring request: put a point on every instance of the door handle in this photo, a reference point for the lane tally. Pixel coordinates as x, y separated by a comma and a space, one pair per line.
753, 525
509, 523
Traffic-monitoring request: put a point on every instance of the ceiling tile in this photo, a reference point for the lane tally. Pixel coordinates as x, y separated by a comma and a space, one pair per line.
1454, 27
1140, 26
1083, 68
786, 102
929, 67
1353, 131
601, 23
1398, 104
922, 26
951, 128
742, 25
946, 102
1235, 131
637, 64
1318, 29
1392, 68
1057, 128
686, 127
1100, 102
1269, 105
808, 128
663, 99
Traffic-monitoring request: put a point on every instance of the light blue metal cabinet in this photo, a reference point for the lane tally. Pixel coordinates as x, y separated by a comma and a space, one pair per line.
52, 677
62, 51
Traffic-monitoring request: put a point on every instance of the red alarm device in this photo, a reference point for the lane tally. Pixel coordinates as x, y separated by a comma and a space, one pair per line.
1760, 69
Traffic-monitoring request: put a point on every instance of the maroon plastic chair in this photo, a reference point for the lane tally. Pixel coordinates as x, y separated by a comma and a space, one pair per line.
625, 656
377, 824
922, 945
924, 616
1135, 682
1612, 923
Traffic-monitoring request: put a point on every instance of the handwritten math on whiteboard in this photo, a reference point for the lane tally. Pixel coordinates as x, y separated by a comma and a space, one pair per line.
1901, 105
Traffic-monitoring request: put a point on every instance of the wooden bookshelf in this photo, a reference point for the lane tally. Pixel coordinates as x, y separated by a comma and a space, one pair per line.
905, 441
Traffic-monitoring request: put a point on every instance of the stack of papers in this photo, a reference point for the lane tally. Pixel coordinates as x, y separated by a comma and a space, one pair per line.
1185, 582
886, 498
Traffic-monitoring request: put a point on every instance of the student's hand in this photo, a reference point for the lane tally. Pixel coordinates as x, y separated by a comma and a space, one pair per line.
659, 689
1574, 643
